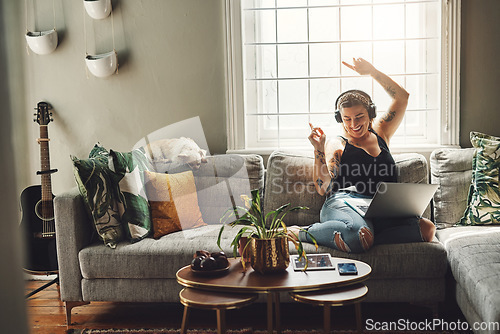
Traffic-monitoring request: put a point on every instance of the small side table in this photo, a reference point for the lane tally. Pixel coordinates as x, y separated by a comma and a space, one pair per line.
211, 300
351, 294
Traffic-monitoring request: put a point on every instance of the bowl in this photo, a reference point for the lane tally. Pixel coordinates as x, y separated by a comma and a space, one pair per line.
102, 65
42, 42
97, 9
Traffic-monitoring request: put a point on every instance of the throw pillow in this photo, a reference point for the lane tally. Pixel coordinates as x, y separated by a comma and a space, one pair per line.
484, 194
92, 176
128, 168
173, 201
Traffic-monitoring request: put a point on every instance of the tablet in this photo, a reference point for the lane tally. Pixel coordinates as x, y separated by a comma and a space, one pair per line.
321, 261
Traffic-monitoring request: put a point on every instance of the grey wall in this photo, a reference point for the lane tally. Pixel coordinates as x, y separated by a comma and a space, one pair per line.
171, 55
480, 72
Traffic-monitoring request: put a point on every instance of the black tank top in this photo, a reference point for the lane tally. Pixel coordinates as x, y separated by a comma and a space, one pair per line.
360, 169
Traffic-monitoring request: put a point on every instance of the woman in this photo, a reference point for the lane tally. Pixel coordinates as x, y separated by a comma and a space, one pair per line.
353, 164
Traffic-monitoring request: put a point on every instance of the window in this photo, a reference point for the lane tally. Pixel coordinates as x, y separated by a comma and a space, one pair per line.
284, 67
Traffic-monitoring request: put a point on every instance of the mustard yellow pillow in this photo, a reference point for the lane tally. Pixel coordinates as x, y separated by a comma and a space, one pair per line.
173, 201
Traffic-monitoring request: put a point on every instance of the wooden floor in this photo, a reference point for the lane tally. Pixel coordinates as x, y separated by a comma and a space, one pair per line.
46, 314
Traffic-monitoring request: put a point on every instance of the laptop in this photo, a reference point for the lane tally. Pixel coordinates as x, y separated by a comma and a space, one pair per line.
395, 200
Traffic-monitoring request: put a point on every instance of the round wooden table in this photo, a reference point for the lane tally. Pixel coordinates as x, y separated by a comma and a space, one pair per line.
351, 294
239, 281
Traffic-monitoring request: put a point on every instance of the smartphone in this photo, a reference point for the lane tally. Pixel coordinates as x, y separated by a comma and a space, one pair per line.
347, 268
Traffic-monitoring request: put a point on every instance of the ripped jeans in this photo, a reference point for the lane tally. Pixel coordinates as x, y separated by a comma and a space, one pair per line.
342, 228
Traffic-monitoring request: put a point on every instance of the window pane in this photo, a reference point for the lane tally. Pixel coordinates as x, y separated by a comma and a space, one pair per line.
260, 61
386, 1
292, 25
262, 130
424, 90
356, 23
323, 2
400, 37
422, 20
292, 3
325, 61
261, 97
423, 56
388, 22
259, 26
324, 92
389, 56
257, 4
361, 83
293, 61
323, 24
355, 2
294, 127
293, 96
355, 50
327, 123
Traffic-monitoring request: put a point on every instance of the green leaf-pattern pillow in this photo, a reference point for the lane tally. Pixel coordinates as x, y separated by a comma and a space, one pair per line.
484, 193
128, 168
93, 178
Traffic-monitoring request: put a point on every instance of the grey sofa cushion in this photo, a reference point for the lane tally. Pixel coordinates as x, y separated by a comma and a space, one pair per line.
162, 258
451, 169
223, 179
421, 260
474, 257
289, 180
150, 258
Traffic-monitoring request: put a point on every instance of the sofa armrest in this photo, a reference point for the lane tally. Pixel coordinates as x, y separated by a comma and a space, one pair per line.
73, 233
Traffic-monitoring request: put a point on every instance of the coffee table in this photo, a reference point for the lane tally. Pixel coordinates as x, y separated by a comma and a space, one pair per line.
237, 281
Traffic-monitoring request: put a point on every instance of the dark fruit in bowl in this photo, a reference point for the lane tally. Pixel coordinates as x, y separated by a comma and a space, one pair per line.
196, 263
208, 263
216, 255
221, 262
202, 253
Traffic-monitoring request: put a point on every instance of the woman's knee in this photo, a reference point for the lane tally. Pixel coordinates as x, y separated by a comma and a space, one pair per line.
427, 229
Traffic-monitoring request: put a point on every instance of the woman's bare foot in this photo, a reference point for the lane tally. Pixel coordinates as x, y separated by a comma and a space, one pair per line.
427, 229
293, 232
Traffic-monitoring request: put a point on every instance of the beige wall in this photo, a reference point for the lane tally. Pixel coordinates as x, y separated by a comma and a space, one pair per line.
480, 70
171, 55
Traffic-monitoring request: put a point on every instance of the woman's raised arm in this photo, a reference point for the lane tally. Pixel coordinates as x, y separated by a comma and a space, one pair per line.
387, 124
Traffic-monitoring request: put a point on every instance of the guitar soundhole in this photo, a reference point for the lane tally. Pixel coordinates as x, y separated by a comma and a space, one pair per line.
45, 211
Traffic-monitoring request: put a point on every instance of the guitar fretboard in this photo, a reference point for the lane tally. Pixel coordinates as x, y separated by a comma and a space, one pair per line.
45, 164
47, 206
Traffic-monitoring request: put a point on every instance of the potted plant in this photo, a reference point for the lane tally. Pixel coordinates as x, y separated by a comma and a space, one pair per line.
266, 234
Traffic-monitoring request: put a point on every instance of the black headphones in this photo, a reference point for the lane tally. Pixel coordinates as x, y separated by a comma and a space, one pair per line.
371, 107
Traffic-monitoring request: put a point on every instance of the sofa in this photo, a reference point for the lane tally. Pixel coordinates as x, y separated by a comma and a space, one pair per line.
473, 251
144, 271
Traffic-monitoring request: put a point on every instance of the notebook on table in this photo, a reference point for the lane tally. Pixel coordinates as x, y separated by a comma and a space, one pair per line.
395, 200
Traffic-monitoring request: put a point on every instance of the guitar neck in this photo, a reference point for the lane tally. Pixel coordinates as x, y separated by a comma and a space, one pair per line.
45, 163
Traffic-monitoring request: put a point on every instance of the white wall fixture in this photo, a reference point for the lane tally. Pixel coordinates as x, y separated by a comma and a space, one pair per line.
97, 9
42, 42
102, 65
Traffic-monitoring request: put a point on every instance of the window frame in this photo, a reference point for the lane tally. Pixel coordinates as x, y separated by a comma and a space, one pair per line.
450, 81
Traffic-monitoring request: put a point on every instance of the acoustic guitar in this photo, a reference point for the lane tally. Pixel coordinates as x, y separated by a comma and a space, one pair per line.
38, 208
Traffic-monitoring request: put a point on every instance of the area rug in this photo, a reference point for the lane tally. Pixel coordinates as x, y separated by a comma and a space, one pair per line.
232, 331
